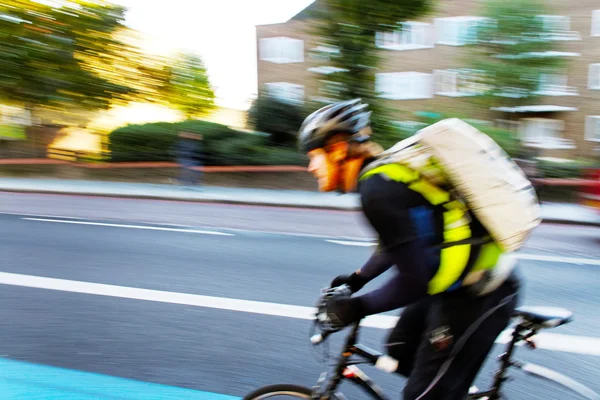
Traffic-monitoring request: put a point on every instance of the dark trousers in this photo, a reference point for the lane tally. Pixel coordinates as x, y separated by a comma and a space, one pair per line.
430, 333
187, 174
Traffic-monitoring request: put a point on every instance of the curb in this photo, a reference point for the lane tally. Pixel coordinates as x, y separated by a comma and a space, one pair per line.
244, 202
186, 199
154, 164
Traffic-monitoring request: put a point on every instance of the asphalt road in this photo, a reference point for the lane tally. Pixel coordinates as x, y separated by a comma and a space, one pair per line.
226, 343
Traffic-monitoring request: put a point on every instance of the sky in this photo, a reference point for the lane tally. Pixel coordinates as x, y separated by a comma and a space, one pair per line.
221, 32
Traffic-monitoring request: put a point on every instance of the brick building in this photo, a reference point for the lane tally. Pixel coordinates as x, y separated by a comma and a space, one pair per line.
423, 69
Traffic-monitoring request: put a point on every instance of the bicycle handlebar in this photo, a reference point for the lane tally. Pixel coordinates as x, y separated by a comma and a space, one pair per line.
322, 319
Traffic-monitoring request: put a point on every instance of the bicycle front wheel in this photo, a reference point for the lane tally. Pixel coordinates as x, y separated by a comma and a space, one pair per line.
280, 391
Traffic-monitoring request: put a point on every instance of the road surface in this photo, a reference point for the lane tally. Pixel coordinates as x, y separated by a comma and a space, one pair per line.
198, 301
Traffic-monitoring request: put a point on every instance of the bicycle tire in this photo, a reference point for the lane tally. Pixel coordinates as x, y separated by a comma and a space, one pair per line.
279, 390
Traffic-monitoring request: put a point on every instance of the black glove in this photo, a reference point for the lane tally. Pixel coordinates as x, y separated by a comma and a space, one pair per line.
344, 311
354, 281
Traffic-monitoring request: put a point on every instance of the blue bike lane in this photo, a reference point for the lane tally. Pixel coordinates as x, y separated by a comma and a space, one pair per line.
22, 380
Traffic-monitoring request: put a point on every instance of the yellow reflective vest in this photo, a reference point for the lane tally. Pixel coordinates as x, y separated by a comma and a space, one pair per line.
454, 258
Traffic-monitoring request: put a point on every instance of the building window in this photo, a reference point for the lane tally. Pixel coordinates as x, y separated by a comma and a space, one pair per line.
459, 82
594, 77
287, 92
404, 85
326, 70
410, 127
507, 124
281, 50
558, 27
457, 31
537, 54
592, 128
412, 36
544, 133
323, 52
555, 85
596, 23
329, 91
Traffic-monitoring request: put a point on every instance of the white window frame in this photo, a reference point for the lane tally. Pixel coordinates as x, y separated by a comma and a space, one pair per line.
595, 23
541, 139
409, 125
404, 85
455, 82
562, 23
555, 85
594, 77
326, 70
592, 128
326, 48
323, 96
509, 125
323, 52
454, 36
412, 36
281, 50
292, 93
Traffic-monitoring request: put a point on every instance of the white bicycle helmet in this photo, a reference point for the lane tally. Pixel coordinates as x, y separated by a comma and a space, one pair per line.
349, 117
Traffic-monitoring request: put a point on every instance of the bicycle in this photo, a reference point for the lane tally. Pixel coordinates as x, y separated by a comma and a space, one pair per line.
529, 321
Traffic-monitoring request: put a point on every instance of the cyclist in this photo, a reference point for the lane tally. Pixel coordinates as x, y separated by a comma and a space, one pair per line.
457, 298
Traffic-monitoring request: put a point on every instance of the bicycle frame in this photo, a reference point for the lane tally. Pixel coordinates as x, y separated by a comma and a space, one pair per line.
346, 369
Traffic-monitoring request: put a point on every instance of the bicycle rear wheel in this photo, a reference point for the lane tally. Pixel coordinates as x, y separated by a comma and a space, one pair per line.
281, 391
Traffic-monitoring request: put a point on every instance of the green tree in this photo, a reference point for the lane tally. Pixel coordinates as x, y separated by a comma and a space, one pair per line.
512, 53
73, 57
41, 49
189, 89
278, 118
348, 29
146, 76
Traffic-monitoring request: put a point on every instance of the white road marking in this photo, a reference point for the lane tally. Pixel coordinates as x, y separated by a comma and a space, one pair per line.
548, 341
152, 228
348, 243
559, 259
39, 215
532, 257
303, 235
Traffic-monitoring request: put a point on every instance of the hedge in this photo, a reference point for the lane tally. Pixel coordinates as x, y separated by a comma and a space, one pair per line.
225, 146
572, 169
278, 118
221, 145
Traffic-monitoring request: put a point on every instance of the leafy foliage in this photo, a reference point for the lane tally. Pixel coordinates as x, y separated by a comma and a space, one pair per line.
78, 55
221, 145
189, 89
348, 31
278, 118
42, 52
512, 50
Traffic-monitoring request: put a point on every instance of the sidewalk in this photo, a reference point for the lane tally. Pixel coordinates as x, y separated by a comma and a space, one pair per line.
551, 212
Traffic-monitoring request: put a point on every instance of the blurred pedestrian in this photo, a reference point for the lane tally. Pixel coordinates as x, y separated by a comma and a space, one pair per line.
189, 155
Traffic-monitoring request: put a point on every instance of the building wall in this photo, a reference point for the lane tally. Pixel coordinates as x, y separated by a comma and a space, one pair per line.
295, 72
443, 56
